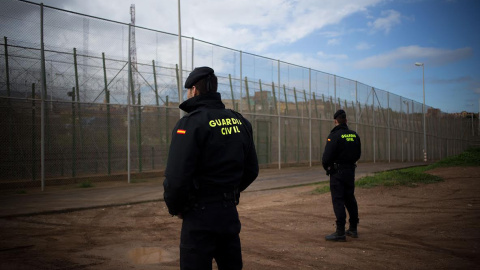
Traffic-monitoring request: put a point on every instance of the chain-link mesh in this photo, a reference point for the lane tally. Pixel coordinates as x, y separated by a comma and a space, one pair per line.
99, 84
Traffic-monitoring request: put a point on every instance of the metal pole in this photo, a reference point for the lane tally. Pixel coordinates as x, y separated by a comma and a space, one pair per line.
107, 100
231, 91
374, 125
193, 50
388, 123
335, 92
356, 105
34, 158
130, 89
279, 121
180, 84
401, 123
44, 96
7, 72
241, 83
310, 112
74, 147
424, 120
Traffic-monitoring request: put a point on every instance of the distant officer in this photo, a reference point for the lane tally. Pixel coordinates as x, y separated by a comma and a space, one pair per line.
342, 150
212, 159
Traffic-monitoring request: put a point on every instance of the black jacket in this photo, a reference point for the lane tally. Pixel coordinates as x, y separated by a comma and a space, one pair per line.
212, 150
343, 147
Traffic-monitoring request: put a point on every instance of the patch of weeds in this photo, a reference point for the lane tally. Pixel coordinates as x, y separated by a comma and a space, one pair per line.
469, 158
321, 189
410, 177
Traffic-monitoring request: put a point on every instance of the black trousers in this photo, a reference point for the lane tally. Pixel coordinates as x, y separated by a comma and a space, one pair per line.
211, 231
342, 188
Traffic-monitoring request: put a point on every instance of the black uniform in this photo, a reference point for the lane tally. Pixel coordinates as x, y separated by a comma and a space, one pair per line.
342, 150
212, 158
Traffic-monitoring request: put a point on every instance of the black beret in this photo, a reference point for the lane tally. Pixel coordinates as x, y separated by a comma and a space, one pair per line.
339, 113
196, 75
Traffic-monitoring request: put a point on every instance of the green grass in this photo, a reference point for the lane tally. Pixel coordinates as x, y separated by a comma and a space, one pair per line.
412, 177
470, 157
322, 188
86, 184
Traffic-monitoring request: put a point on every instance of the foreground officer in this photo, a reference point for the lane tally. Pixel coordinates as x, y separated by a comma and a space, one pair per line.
212, 159
342, 151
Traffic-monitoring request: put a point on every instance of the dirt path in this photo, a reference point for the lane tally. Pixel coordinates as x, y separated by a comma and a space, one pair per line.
432, 226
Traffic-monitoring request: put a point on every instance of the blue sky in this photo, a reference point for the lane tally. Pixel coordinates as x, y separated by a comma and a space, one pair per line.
375, 42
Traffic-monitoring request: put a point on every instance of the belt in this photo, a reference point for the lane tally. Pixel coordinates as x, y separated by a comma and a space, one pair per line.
337, 166
225, 196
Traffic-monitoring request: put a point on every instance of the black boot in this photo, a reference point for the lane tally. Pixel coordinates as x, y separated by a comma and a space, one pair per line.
338, 236
352, 231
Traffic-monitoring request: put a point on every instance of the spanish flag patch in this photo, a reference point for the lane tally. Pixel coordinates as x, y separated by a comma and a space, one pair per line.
181, 131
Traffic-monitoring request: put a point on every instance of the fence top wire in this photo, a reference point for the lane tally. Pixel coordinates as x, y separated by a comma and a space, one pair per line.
281, 63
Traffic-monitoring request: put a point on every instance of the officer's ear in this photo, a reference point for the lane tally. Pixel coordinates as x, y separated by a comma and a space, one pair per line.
195, 91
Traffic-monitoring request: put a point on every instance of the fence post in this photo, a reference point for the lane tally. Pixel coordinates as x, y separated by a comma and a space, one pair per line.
388, 124
285, 123
231, 91
157, 102
130, 90
44, 96
310, 113
335, 93
107, 100
77, 89
74, 146
241, 86
261, 94
279, 120
297, 156
374, 125
318, 119
34, 158
248, 95
7, 71
139, 132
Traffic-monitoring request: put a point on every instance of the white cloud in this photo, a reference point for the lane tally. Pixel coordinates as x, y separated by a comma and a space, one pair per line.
431, 56
389, 19
332, 56
252, 25
333, 42
361, 46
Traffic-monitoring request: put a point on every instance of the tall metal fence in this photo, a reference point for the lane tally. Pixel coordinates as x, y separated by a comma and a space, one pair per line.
82, 96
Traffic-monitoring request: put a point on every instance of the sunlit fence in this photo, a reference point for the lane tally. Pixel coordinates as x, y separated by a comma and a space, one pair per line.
87, 97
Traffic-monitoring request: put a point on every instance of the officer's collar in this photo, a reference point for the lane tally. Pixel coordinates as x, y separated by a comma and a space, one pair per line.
340, 126
209, 100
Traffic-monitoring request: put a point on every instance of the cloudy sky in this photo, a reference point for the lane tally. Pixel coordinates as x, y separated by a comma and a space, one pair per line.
375, 42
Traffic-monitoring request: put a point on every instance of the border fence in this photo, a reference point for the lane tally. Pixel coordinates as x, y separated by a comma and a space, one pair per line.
82, 96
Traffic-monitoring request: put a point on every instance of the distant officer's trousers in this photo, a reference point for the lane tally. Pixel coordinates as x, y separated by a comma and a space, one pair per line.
342, 188
211, 231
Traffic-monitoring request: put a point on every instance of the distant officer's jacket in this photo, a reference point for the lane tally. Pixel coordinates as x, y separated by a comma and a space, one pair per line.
212, 151
343, 147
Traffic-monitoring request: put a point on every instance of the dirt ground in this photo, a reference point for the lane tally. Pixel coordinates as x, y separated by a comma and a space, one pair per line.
433, 226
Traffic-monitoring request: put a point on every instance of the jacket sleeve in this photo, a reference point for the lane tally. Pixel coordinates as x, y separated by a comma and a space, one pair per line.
181, 164
250, 172
359, 148
328, 155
